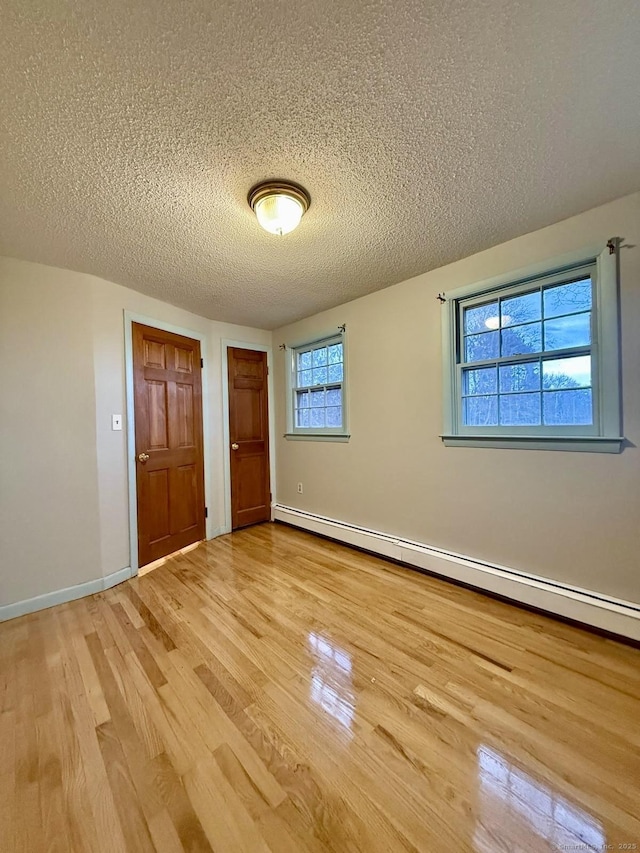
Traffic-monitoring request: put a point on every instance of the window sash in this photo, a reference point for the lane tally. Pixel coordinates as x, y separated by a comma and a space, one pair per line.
529, 429
532, 285
334, 386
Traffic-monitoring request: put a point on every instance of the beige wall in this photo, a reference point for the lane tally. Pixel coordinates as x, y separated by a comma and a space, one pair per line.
565, 515
49, 514
63, 477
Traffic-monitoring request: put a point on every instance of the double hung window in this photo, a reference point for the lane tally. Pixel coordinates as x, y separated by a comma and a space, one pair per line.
535, 359
317, 388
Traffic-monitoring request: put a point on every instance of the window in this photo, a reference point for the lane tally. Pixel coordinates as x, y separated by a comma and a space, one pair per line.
317, 385
533, 362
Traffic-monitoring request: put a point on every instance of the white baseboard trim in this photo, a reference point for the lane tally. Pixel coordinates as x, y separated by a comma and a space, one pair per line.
60, 596
582, 605
70, 593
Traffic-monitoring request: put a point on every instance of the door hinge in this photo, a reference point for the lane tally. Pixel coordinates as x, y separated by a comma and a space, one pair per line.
206, 512
202, 362
267, 370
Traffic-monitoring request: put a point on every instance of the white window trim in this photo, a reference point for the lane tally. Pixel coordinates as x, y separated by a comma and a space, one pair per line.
605, 436
339, 434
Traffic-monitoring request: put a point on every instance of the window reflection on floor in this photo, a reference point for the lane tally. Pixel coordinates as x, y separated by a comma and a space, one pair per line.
515, 808
331, 686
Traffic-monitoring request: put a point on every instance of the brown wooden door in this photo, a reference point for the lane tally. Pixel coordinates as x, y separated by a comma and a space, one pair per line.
249, 437
169, 445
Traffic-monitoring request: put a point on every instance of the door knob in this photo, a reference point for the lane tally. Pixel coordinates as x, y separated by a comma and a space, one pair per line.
142, 457
235, 446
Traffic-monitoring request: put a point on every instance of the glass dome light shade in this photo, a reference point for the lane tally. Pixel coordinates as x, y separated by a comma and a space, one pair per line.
278, 206
279, 213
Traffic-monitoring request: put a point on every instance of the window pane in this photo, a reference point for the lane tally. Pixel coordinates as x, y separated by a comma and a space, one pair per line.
475, 319
316, 417
567, 298
521, 309
319, 375
480, 347
481, 381
517, 340
334, 416
302, 417
520, 409
573, 331
335, 372
319, 357
302, 400
317, 398
567, 407
562, 373
305, 377
304, 360
480, 411
334, 397
335, 353
520, 377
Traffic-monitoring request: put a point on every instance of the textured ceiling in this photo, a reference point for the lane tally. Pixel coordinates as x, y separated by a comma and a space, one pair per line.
131, 132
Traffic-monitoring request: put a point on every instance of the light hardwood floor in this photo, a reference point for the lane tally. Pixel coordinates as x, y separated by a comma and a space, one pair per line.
271, 691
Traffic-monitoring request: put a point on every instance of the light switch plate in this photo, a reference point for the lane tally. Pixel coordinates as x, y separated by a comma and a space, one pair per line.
116, 422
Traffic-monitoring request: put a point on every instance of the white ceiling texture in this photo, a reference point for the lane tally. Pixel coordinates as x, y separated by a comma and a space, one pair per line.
424, 130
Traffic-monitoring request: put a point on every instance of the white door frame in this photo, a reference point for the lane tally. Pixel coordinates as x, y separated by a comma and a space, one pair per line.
130, 318
225, 423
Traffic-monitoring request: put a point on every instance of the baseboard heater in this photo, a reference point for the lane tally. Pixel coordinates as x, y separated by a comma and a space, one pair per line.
580, 605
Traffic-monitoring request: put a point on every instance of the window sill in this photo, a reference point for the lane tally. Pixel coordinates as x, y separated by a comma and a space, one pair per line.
581, 443
317, 436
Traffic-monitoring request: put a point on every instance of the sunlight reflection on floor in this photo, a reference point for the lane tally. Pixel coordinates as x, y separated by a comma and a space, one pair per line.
331, 684
512, 803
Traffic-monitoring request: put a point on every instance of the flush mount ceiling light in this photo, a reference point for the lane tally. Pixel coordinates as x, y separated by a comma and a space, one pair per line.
279, 205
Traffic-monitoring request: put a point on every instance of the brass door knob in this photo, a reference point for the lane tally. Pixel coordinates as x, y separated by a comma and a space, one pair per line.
235, 446
142, 457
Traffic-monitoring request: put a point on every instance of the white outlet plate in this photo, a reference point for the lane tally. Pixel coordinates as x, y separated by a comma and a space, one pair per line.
299, 488
116, 422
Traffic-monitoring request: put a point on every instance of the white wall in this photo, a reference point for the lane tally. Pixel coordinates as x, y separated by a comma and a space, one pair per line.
63, 484
573, 517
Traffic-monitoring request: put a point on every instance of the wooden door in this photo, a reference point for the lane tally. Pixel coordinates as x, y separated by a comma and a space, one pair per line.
249, 437
169, 444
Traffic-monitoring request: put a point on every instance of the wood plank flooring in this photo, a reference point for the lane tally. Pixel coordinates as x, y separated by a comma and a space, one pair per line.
271, 691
